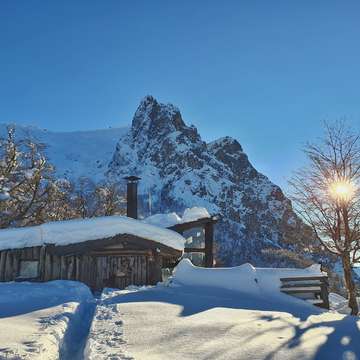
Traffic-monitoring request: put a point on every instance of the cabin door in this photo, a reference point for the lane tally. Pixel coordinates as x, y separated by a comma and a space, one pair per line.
123, 271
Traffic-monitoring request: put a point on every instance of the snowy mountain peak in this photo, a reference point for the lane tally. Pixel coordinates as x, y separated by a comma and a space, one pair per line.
227, 143
180, 170
152, 117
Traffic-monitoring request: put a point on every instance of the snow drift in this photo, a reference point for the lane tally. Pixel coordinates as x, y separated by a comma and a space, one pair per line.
36, 318
244, 278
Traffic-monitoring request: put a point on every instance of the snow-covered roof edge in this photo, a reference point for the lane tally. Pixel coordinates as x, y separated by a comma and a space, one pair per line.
171, 219
68, 232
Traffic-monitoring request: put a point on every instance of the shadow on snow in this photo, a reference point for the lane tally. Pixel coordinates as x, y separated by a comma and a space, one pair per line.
342, 339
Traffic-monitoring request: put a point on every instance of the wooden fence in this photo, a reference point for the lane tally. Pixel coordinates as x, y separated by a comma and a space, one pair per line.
313, 289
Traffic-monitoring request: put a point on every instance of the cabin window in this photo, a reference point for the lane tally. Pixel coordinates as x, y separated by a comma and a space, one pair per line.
197, 258
28, 269
195, 238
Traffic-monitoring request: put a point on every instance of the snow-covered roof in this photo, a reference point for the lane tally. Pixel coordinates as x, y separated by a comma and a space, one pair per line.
171, 219
75, 231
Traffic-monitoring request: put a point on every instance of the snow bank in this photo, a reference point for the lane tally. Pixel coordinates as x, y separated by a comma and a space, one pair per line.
244, 278
269, 278
171, 219
339, 303
75, 231
240, 278
36, 295
35, 317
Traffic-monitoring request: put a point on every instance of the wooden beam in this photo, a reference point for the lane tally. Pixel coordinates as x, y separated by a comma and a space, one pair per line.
180, 228
194, 250
130, 242
209, 244
306, 278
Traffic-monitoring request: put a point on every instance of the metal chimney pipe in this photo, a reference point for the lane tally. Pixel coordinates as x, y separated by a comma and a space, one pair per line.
132, 203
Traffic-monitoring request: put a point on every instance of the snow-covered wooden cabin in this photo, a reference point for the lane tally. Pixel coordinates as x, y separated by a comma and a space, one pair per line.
113, 251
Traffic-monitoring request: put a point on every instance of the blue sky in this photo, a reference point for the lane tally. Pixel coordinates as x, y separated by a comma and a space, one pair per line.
265, 72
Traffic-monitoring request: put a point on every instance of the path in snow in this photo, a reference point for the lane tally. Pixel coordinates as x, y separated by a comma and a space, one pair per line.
35, 317
75, 338
185, 322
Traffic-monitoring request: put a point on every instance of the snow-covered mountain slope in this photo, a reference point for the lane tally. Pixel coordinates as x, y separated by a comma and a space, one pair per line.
75, 154
180, 170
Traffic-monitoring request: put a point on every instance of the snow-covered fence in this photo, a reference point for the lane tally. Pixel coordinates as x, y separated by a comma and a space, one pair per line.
310, 284
311, 288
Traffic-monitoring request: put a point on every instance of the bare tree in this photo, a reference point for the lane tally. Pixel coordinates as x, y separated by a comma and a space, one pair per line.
91, 200
326, 194
30, 194
25, 178
83, 198
109, 200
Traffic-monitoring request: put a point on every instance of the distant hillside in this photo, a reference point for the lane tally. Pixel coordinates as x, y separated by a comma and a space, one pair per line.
78, 153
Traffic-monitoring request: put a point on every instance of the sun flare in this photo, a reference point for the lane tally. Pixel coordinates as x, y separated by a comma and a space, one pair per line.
342, 190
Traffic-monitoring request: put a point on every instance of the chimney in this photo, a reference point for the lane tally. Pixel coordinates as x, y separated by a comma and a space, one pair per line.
132, 206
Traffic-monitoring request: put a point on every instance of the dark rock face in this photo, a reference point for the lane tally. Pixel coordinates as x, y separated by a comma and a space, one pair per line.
180, 170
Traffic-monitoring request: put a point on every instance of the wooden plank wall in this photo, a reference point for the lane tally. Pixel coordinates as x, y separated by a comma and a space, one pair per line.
97, 271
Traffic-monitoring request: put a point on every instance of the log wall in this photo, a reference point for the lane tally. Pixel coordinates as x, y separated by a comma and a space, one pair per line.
96, 270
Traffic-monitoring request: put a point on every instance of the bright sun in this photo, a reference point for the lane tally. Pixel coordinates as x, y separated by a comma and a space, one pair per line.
342, 190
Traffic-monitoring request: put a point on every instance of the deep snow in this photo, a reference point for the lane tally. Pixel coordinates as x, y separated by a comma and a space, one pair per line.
213, 316
244, 278
230, 313
35, 318
187, 322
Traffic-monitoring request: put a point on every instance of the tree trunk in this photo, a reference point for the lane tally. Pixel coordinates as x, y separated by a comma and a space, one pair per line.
350, 285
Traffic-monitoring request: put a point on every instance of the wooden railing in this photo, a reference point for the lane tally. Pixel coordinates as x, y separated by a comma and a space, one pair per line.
314, 289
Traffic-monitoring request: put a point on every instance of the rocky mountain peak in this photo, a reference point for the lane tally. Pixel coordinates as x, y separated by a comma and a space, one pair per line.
227, 143
153, 118
180, 170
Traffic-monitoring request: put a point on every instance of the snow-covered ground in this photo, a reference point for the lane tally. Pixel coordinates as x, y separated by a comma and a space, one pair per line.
38, 320
231, 313
186, 321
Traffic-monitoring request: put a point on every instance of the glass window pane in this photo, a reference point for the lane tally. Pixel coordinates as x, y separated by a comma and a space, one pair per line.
28, 269
198, 259
195, 238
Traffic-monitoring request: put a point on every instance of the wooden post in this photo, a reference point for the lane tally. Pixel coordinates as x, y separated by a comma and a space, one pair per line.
155, 265
2, 265
209, 244
325, 294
